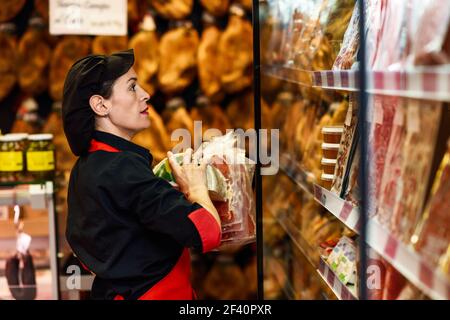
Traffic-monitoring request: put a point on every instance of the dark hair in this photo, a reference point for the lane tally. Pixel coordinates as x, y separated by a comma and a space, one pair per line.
106, 89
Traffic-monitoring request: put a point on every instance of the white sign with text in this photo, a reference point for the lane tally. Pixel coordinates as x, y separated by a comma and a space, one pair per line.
88, 17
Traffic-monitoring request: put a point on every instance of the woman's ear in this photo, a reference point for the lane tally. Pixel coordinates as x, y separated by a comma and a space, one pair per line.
99, 105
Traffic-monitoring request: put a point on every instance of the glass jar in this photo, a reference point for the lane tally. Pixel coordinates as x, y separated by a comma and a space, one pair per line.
12, 147
40, 157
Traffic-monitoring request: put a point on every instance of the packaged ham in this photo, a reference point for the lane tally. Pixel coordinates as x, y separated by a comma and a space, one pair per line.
33, 59
216, 7
236, 52
432, 236
10, 8
178, 58
145, 44
418, 149
8, 54
429, 28
347, 55
374, 24
347, 141
381, 119
65, 54
209, 64
390, 188
392, 43
172, 9
237, 213
229, 180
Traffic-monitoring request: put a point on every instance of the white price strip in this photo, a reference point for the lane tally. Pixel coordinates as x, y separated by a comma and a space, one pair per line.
100, 17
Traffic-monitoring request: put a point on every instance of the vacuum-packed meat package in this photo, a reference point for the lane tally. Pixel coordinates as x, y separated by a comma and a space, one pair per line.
229, 177
429, 28
382, 120
350, 44
390, 187
432, 236
422, 127
392, 43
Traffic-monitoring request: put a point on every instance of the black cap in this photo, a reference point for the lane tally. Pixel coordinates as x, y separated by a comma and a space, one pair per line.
83, 80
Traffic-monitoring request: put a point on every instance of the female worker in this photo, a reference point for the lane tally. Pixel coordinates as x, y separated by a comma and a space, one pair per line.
128, 227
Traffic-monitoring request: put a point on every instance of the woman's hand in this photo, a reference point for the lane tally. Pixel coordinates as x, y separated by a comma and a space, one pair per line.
190, 175
191, 178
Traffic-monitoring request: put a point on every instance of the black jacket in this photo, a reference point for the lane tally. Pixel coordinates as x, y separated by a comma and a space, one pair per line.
126, 225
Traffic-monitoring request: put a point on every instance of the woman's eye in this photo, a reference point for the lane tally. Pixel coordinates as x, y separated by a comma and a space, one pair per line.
133, 87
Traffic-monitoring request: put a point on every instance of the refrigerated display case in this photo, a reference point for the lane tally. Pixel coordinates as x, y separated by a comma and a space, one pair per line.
362, 105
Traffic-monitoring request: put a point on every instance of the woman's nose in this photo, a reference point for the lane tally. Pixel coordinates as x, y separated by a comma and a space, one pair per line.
145, 95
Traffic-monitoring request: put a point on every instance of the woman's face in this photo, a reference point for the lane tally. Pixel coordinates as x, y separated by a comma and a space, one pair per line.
128, 107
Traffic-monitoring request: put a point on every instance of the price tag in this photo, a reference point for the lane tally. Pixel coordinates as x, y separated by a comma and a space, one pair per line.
100, 17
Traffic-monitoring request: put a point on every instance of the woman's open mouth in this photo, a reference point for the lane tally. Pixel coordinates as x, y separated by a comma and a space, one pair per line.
145, 112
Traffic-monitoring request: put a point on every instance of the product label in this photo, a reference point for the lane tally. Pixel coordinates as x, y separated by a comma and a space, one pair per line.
11, 161
40, 161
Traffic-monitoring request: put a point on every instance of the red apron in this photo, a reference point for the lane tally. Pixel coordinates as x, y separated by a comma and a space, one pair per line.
174, 286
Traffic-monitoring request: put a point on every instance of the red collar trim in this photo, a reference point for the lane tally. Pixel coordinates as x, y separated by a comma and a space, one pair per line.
97, 145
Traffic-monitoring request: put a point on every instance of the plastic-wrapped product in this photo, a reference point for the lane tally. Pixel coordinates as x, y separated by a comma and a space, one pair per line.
429, 28
382, 120
432, 236
390, 188
350, 44
418, 149
229, 179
